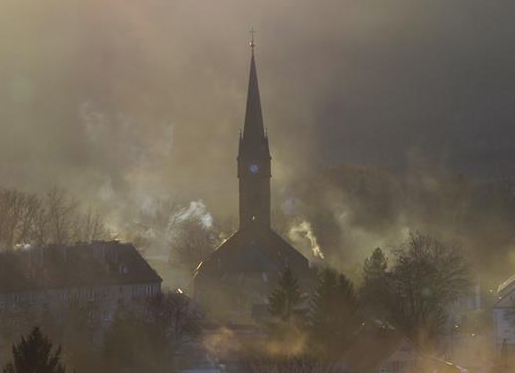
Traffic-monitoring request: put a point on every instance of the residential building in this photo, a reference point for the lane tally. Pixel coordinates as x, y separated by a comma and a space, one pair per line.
94, 277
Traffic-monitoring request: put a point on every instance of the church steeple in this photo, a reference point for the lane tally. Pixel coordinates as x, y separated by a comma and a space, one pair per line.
254, 166
253, 128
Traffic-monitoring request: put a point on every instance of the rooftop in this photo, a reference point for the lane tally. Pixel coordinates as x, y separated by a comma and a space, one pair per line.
253, 249
83, 264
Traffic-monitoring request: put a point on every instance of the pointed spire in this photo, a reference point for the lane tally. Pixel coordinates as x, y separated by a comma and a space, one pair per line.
253, 129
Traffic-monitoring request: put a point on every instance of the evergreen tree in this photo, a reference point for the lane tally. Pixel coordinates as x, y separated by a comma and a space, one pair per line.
285, 297
285, 334
34, 355
334, 317
374, 287
375, 266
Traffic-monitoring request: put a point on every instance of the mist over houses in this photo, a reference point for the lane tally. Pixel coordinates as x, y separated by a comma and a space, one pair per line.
256, 295
60, 287
105, 274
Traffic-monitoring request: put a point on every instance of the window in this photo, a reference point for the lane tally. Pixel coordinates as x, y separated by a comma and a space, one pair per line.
91, 294
149, 290
134, 290
106, 315
107, 294
395, 366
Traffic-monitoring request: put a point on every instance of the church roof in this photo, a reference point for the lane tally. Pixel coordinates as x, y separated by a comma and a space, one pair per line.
253, 249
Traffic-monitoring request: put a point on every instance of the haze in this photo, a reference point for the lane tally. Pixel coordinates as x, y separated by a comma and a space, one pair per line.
126, 101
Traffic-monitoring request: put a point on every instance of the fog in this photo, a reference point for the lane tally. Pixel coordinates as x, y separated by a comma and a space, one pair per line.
127, 102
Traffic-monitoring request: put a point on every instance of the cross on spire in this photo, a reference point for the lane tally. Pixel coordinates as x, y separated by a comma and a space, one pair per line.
252, 44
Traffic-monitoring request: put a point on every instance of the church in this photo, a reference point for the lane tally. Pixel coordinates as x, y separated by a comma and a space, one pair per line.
245, 269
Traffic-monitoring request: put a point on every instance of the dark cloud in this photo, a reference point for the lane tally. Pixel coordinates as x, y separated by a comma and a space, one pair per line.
139, 98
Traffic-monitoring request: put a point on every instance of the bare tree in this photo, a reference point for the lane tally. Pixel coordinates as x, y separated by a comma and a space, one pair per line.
55, 218
61, 211
192, 243
18, 212
89, 226
172, 317
428, 275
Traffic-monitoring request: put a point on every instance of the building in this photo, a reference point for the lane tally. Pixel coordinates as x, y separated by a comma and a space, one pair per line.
94, 277
504, 317
245, 268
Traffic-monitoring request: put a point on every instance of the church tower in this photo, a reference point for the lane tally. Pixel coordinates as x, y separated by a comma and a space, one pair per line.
243, 271
254, 161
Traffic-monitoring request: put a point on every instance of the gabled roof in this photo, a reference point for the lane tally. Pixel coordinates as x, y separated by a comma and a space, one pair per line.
503, 291
83, 264
255, 248
506, 286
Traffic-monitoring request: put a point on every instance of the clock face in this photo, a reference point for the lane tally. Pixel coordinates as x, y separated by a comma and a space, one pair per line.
254, 169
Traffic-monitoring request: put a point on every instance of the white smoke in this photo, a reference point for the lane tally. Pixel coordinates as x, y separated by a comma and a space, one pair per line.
24, 247
129, 145
196, 209
302, 233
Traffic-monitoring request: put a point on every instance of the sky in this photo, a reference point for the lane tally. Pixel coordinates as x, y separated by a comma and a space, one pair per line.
125, 100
